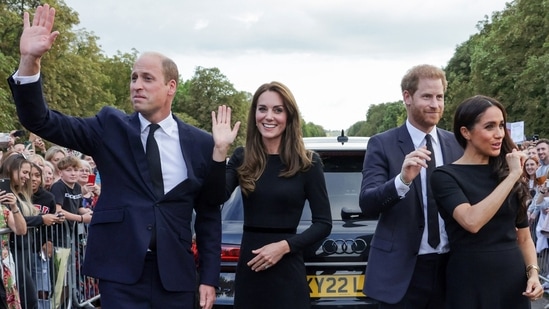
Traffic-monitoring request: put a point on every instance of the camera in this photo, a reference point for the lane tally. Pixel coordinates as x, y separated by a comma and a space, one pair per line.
5, 140
19, 133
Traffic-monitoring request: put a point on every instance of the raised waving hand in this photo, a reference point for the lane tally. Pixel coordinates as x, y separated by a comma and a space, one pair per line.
222, 132
36, 39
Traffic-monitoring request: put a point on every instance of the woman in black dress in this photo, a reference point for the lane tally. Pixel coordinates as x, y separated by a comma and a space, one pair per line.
276, 175
482, 199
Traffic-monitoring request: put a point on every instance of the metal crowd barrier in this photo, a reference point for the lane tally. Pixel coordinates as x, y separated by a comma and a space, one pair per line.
542, 254
46, 263
47, 266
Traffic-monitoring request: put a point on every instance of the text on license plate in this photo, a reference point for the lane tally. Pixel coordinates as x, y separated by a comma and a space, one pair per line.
336, 285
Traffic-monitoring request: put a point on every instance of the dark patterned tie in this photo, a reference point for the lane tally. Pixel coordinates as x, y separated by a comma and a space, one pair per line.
433, 237
153, 157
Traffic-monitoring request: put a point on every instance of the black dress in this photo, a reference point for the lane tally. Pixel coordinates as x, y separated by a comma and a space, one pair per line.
486, 269
272, 213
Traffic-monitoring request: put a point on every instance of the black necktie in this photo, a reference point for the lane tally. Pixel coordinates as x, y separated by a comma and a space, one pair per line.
153, 156
433, 237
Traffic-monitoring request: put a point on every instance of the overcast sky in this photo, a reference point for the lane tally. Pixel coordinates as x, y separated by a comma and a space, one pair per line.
337, 56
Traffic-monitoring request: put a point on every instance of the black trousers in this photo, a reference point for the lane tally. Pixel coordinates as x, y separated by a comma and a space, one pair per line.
147, 293
427, 288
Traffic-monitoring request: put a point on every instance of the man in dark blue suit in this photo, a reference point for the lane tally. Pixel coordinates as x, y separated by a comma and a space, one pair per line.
404, 269
139, 244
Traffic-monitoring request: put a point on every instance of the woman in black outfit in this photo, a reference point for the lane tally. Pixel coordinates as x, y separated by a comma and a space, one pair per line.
42, 265
276, 175
482, 199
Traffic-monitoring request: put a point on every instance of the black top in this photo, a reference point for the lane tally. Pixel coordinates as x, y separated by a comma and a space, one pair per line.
454, 185
277, 202
69, 198
44, 201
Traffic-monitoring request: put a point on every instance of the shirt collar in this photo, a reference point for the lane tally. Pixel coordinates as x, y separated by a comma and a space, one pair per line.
418, 137
167, 125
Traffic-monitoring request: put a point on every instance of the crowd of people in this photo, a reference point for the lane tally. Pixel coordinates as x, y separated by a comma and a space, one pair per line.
536, 169
49, 185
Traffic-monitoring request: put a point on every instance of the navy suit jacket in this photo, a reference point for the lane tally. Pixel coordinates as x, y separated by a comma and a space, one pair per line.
397, 238
127, 209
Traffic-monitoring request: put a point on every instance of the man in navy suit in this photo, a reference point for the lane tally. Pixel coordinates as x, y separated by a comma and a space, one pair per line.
404, 270
139, 244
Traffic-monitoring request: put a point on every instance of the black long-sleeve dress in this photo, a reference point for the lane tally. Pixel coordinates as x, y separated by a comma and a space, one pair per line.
486, 269
272, 213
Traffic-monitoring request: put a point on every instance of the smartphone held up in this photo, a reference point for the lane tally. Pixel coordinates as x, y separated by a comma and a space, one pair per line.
5, 185
91, 179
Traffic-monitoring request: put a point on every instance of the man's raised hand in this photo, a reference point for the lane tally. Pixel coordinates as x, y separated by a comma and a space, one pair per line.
36, 39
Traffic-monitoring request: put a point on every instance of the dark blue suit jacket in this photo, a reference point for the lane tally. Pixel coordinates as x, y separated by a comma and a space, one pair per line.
396, 242
127, 209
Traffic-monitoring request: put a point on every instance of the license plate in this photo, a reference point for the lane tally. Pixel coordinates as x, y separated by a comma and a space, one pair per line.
336, 285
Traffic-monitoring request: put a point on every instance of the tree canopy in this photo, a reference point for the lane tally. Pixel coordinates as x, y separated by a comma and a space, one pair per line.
79, 79
507, 59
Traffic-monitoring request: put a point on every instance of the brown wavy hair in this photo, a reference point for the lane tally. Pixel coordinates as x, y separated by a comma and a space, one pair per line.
12, 165
524, 173
292, 149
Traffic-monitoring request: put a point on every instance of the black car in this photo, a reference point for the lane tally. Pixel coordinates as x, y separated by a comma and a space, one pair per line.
336, 265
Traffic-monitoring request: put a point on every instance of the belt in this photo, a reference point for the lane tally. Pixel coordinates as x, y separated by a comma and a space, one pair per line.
272, 230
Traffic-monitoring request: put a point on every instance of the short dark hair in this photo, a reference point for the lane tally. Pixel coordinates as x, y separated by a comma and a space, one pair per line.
543, 140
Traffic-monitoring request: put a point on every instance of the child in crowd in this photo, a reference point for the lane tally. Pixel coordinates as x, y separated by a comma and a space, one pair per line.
68, 192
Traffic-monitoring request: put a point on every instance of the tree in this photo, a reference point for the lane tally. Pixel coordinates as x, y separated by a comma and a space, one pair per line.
507, 60
358, 129
207, 90
310, 129
118, 73
379, 118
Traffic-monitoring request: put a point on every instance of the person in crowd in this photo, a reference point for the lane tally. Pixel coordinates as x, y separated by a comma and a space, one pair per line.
68, 192
18, 169
37, 144
90, 191
542, 148
540, 208
532, 152
42, 263
48, 172
482, 198
395, 188
272, 167
146, 206
531, 164
53, 155
8, 154
10, 216
21, 148
37, 159
93, 169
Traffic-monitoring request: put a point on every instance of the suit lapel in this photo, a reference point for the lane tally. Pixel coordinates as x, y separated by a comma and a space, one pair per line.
187, 144
406, 146
446, 147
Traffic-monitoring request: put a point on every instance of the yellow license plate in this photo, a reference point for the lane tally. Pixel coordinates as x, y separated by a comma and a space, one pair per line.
336, 285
